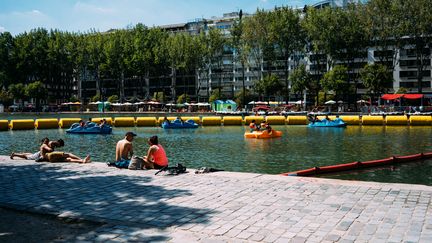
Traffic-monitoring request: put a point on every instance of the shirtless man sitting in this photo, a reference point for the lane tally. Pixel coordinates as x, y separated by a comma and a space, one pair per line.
48, 154
124, 151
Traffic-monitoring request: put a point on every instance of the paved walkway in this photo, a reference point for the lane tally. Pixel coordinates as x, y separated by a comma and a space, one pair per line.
217, 207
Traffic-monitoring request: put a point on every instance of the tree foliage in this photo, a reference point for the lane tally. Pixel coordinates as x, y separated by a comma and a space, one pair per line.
301, 80
263, 44
376, 78
183, 99
336, 80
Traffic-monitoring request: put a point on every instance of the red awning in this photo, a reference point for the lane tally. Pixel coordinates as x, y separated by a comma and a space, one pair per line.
265, 108
391, 96
413, 96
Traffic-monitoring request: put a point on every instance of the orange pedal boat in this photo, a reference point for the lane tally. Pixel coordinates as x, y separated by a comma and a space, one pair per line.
263, 134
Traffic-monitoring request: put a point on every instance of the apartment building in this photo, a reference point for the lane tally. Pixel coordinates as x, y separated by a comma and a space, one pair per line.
227, 76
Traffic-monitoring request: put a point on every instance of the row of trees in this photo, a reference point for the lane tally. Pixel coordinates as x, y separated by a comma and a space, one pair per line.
332, 37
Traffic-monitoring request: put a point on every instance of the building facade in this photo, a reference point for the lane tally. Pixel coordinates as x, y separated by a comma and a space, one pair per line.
227, 76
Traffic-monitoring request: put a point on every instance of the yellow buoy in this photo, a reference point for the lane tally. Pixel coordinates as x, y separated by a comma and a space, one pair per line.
248, 119
4, 125
212, 121
232, 120
46, 123
351, 120
276, 120
67, 122
146, 121
25, 124
196, 119
124, 121
420, 120
297, 120
97, 120
322, 117
396, 120
372, 120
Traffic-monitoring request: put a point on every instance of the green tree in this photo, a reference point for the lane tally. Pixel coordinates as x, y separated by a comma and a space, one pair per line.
248, 96
241, 53
384, 29
159, 96
376, 78
289, 37
74, 99
6, 59
183, 98
5, 98
336, 80
113, 99
18, 91
302, 80
96, 98
268, 86
259, 38
416, 21
215, 43
216, 95
37, 91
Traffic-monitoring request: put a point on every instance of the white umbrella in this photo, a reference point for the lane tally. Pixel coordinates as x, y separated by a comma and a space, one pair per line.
127, 103
203, 104
116, 104
340, 102
330, 102
170, 104
298, 102
362, 101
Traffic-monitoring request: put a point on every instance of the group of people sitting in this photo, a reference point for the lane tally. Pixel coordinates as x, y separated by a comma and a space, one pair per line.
263, 126
47, 153
154, 159
84, 124
314, 118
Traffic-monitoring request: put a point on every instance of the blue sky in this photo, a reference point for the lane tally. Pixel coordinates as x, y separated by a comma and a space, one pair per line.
17, 16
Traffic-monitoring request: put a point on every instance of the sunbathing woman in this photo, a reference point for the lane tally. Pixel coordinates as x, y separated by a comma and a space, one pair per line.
29, 156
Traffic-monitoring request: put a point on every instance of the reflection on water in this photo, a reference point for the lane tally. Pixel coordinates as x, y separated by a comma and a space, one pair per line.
226, 148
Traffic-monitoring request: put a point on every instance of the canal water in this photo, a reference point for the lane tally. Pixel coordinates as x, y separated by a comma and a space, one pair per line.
226, 148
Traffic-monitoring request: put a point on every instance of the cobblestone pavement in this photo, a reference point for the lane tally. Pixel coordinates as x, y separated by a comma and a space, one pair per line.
217, 207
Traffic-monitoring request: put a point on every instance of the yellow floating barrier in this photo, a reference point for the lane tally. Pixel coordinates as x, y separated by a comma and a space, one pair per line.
97, 120
351, 120
196, 119
146, 121
276, 120
297, 120
420, 120
258, 119
67, 122
25, 124
396, 120
212, 121
232, 120
372, 120
322, 117
4, 125
170, 118
124, 121
46, 123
